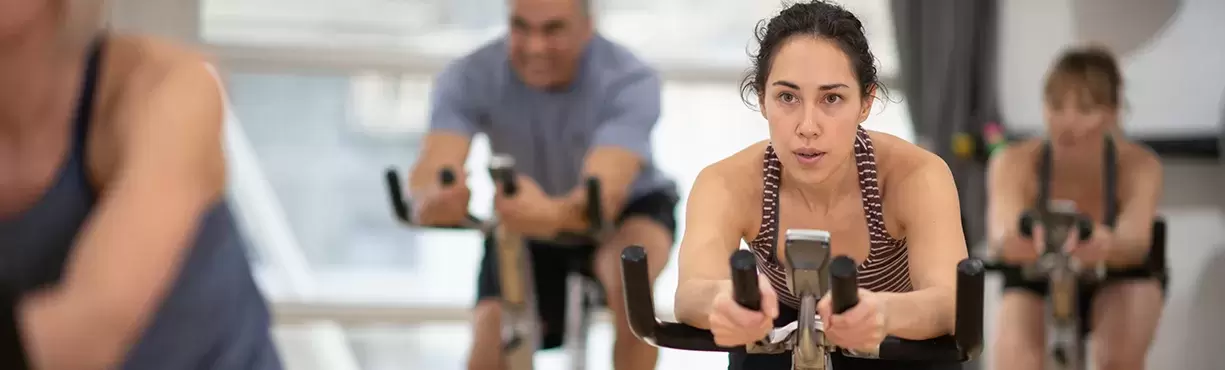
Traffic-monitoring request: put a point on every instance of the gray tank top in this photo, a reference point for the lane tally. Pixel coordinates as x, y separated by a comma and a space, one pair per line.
213, 317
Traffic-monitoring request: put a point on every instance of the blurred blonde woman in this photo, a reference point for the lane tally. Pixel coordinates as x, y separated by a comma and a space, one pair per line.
117, 250
1083, 96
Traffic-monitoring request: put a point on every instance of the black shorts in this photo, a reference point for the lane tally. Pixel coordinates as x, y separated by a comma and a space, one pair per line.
1014, 280
552, 264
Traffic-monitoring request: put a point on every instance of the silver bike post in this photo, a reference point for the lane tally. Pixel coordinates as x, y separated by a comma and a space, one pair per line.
577, 320
1064, 342
808, 256
520, 321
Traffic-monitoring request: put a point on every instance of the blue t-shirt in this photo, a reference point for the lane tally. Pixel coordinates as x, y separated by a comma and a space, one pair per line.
614, 101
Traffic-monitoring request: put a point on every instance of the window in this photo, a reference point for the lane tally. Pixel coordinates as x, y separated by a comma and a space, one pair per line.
666, 32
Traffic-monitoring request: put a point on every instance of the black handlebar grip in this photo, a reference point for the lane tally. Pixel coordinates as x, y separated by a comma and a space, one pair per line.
397, 196
1027, 224
636, 283
446, 176
1084, 228
968, 328
507, 178
844, 282
745, 290
595, 207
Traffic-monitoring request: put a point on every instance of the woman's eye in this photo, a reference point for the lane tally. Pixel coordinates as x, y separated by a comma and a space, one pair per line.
832, 98
787, 97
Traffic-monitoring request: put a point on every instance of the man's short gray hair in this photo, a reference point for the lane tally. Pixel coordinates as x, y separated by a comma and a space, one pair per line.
584, 7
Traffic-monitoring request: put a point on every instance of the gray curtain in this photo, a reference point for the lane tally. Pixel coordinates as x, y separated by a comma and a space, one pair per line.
947, 50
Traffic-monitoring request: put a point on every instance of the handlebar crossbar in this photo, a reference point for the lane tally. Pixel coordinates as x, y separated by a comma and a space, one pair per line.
503, 172
963, 346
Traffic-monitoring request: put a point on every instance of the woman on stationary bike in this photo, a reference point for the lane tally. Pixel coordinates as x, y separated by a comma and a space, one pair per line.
1083, 93
888, 204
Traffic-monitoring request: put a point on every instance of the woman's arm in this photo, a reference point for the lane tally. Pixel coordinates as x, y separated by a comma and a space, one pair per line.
170, 171
1133, 234
711, 236
927, 205
1008, 192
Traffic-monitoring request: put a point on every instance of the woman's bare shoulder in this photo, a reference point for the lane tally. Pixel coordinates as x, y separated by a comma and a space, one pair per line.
734, 183
741, 169
896, 158
1135, 157
739, 174
1022, 152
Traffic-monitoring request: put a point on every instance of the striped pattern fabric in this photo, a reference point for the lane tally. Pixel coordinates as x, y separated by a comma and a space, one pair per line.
887, 268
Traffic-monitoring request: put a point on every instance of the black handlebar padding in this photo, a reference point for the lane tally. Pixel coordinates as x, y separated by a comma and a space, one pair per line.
446, 176
844, 282
595, 208
507, 178
745, 290
640, 305
397, 196
1027, 224
968, 328
1156, 252
12, 351
640, 310
1084, 226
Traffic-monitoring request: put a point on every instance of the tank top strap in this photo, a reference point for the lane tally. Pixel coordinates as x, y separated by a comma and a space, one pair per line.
771, 177
86, 101
1110, 179
869, 188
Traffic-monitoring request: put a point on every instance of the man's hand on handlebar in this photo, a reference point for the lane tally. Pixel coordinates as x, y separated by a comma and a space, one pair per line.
860, 328
734, 325
441, 204
530, 211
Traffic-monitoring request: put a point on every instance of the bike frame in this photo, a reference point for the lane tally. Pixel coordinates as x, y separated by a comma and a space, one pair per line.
520, 324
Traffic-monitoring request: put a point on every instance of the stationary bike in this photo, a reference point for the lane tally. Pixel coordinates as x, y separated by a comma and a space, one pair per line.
1065, 277
521, 325
811, 273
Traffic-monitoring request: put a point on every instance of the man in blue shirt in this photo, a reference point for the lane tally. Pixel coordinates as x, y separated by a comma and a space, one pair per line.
566, 103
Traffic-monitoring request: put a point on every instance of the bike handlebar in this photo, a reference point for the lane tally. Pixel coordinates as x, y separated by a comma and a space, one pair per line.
1030, 219
844, 291
505, 175
403, 208
641, 310
844, 281
1084, 225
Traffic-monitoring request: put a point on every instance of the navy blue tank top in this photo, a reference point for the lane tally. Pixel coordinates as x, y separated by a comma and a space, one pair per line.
213, 316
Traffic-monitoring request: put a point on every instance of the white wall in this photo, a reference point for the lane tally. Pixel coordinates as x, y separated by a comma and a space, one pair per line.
1175, 80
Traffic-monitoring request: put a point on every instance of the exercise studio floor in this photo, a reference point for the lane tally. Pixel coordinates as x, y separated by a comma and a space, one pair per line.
308, 154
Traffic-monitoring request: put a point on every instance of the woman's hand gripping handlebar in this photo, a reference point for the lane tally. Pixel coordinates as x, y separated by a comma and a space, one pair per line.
1052, 229
964, 345
641, 310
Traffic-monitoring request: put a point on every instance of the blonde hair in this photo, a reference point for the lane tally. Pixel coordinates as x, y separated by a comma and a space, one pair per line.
1091, 71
